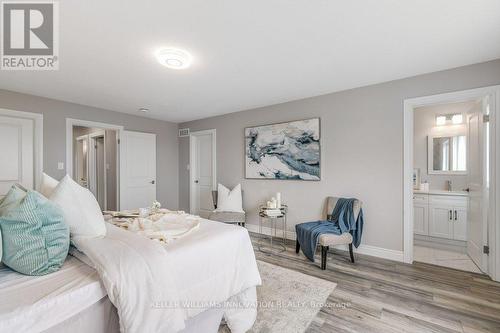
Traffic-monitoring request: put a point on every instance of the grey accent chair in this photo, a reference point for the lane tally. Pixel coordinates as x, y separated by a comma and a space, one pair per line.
327, 240
226, 217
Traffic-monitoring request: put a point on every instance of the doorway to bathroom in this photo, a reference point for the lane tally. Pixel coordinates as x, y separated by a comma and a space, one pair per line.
450, 198
95, 163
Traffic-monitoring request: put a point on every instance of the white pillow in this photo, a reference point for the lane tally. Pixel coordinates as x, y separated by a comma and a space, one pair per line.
80, 209
48, 185
229, 201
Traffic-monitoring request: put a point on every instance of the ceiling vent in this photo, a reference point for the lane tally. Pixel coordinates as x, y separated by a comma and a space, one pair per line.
183, 132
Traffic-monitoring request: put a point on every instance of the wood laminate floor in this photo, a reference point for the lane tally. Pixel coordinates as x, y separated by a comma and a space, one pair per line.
387, 296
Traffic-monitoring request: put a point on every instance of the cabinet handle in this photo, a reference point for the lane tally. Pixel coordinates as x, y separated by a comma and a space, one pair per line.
455, 215
451, 215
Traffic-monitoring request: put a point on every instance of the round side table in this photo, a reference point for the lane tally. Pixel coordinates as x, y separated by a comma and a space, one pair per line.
273, 243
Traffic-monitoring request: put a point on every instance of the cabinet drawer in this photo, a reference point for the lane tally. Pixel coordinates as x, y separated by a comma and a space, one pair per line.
443, 200
420, 198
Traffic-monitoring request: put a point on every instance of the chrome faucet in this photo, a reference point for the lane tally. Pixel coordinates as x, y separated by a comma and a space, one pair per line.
448, 185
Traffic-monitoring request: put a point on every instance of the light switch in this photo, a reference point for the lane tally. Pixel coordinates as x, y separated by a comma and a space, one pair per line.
60, 166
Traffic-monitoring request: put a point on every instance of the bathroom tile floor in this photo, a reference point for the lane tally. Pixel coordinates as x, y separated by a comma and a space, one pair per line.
444, 258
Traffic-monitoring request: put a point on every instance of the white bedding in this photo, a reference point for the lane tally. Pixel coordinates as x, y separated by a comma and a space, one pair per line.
144, 279
36, 303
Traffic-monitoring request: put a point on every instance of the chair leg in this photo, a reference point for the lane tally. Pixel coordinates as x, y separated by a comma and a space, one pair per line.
324, 253
297, 246
351, 253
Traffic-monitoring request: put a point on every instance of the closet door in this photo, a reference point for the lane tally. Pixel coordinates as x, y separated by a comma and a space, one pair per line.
137, 170
16, 153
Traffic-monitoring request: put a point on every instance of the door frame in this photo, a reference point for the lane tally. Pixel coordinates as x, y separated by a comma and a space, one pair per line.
70, 122
37, 138
192, 160
87, 140
93, 168
493, 92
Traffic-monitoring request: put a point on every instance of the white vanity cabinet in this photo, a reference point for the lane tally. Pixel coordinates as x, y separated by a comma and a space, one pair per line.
421, 214
441, 215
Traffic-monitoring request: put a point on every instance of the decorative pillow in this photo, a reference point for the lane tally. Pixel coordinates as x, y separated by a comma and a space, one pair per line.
48, 185
35, 237
229, 201
80, 209
13, 199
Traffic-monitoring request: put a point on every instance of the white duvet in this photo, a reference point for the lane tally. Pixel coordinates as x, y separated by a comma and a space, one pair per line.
156, 287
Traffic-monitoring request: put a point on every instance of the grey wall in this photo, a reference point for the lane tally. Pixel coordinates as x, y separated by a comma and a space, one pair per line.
54, 136
362, 149
424, 125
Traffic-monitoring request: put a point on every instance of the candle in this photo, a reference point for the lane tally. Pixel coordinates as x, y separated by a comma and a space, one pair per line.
278, 200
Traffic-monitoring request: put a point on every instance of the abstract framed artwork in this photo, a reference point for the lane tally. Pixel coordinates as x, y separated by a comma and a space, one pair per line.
286, 151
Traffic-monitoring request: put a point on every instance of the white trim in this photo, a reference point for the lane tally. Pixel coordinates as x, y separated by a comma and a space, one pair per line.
368, 250
70, 122
192, 159
37, 138
454, 97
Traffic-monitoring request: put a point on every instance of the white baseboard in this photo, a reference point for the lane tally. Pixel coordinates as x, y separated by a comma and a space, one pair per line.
368, 250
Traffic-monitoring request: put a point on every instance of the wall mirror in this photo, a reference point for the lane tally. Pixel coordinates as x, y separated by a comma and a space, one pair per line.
447, 155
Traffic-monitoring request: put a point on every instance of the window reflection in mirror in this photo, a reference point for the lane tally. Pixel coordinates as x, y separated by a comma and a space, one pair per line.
448, 153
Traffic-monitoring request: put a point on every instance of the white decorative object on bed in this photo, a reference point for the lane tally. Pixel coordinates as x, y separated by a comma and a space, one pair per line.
229, 200
80, 209
48, 185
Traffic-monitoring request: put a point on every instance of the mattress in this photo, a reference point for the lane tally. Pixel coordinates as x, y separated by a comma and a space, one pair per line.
37, 303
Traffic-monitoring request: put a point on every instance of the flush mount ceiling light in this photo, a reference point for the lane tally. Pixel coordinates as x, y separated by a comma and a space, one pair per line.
174, 58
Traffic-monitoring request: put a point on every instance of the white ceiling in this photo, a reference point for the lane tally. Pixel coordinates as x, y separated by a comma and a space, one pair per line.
251, 53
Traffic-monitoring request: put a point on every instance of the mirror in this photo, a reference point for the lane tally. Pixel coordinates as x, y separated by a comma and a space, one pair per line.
447, 154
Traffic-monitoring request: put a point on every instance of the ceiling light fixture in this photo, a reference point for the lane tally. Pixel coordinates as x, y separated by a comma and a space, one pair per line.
174, 58
143, 110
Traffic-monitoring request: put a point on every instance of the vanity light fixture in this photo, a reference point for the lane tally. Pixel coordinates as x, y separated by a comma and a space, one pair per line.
440, 120
457, 119
174, 58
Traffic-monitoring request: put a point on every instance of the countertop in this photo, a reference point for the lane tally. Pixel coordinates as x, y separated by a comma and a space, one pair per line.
442, 192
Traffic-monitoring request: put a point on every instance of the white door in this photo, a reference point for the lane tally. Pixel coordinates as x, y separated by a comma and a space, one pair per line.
137, 170
202, 165
477, 217
440, 221
16, 153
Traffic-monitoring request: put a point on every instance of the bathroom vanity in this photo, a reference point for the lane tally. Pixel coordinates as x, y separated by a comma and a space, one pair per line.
440, 215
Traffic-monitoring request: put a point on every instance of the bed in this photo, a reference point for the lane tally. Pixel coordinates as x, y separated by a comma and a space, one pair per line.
207, 263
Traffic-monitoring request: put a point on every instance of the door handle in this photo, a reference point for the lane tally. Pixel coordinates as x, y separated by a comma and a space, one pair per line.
196, 182
451, 215
152, 182
455, 215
